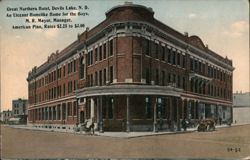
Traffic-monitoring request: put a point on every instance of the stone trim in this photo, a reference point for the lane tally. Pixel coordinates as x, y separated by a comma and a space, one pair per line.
129, 90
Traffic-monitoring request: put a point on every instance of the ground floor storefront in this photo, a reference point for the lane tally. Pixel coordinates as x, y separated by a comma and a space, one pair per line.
130, 108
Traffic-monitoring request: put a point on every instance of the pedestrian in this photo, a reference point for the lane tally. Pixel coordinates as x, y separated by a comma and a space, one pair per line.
184, 124
220, 119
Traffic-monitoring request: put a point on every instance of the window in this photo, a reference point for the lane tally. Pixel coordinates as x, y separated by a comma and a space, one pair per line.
200, 67
96, 78
163, 78
69, 68
111, 47
54, 75
59, 73
75, 108
111, 108
104, 76
96, 55
169, 55
191, 64
75, 85
157, 77
58, 91
91, 80
174, 78
74, 64
156, 50
169, 78
100, 77
64, 71
147, 76
178, 59
104, 51
173, 56
69, 87
178, 81
162, 53
64, 89
100, 53
147, 47
148, 107
111, 74
88, 59
183, 61
203, 68
91, 57
82, 68
184, 83
195, 65
54, 92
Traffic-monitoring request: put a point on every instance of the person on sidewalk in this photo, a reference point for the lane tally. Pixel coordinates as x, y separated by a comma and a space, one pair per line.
184, 124
220, 120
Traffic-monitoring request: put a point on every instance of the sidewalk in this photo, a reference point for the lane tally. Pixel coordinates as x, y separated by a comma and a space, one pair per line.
114, 134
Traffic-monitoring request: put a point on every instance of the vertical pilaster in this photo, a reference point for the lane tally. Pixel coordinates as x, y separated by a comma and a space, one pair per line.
98, 112
52, 113
155, 129
178, 114
171, 113
100, 116
128, 115
183, 109
66, 111
61, 113
92, 109
48, 110
56, 112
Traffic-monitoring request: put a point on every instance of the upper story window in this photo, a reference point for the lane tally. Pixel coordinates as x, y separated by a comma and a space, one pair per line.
169, 55
111, 74
104, 51
96, 54
91, 57
111, 47
104, 76
74, 66
82, 68
178, 59
147, 47
59, 73
157, 77
64, 71
100, 53
162, 53
156, 50
96, 78
100, 77
183, 61
173, 57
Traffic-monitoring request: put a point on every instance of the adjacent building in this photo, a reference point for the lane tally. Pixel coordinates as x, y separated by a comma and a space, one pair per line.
131, 72
19, 109
5, 116
241, 108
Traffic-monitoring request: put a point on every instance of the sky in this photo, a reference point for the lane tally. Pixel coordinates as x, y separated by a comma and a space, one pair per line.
223, 25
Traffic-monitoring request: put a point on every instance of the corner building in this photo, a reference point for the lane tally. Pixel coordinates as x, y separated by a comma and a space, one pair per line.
131, 72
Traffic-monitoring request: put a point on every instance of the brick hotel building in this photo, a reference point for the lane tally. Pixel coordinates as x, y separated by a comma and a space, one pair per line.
131, 72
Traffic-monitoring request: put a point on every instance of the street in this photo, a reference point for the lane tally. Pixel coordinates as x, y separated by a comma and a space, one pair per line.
232, 142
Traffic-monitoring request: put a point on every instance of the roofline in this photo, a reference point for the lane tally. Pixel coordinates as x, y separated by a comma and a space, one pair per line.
129, 4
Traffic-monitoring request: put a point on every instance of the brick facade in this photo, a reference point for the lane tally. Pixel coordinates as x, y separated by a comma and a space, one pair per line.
131, 72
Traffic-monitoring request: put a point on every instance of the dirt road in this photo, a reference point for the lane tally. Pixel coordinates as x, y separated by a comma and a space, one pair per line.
233, 142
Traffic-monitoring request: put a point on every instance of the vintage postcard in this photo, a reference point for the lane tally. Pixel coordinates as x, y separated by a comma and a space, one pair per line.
116, 79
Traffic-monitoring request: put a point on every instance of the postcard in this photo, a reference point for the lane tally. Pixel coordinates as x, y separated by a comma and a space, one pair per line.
118, 79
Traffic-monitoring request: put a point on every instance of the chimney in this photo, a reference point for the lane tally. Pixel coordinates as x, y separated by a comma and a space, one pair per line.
186, 34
